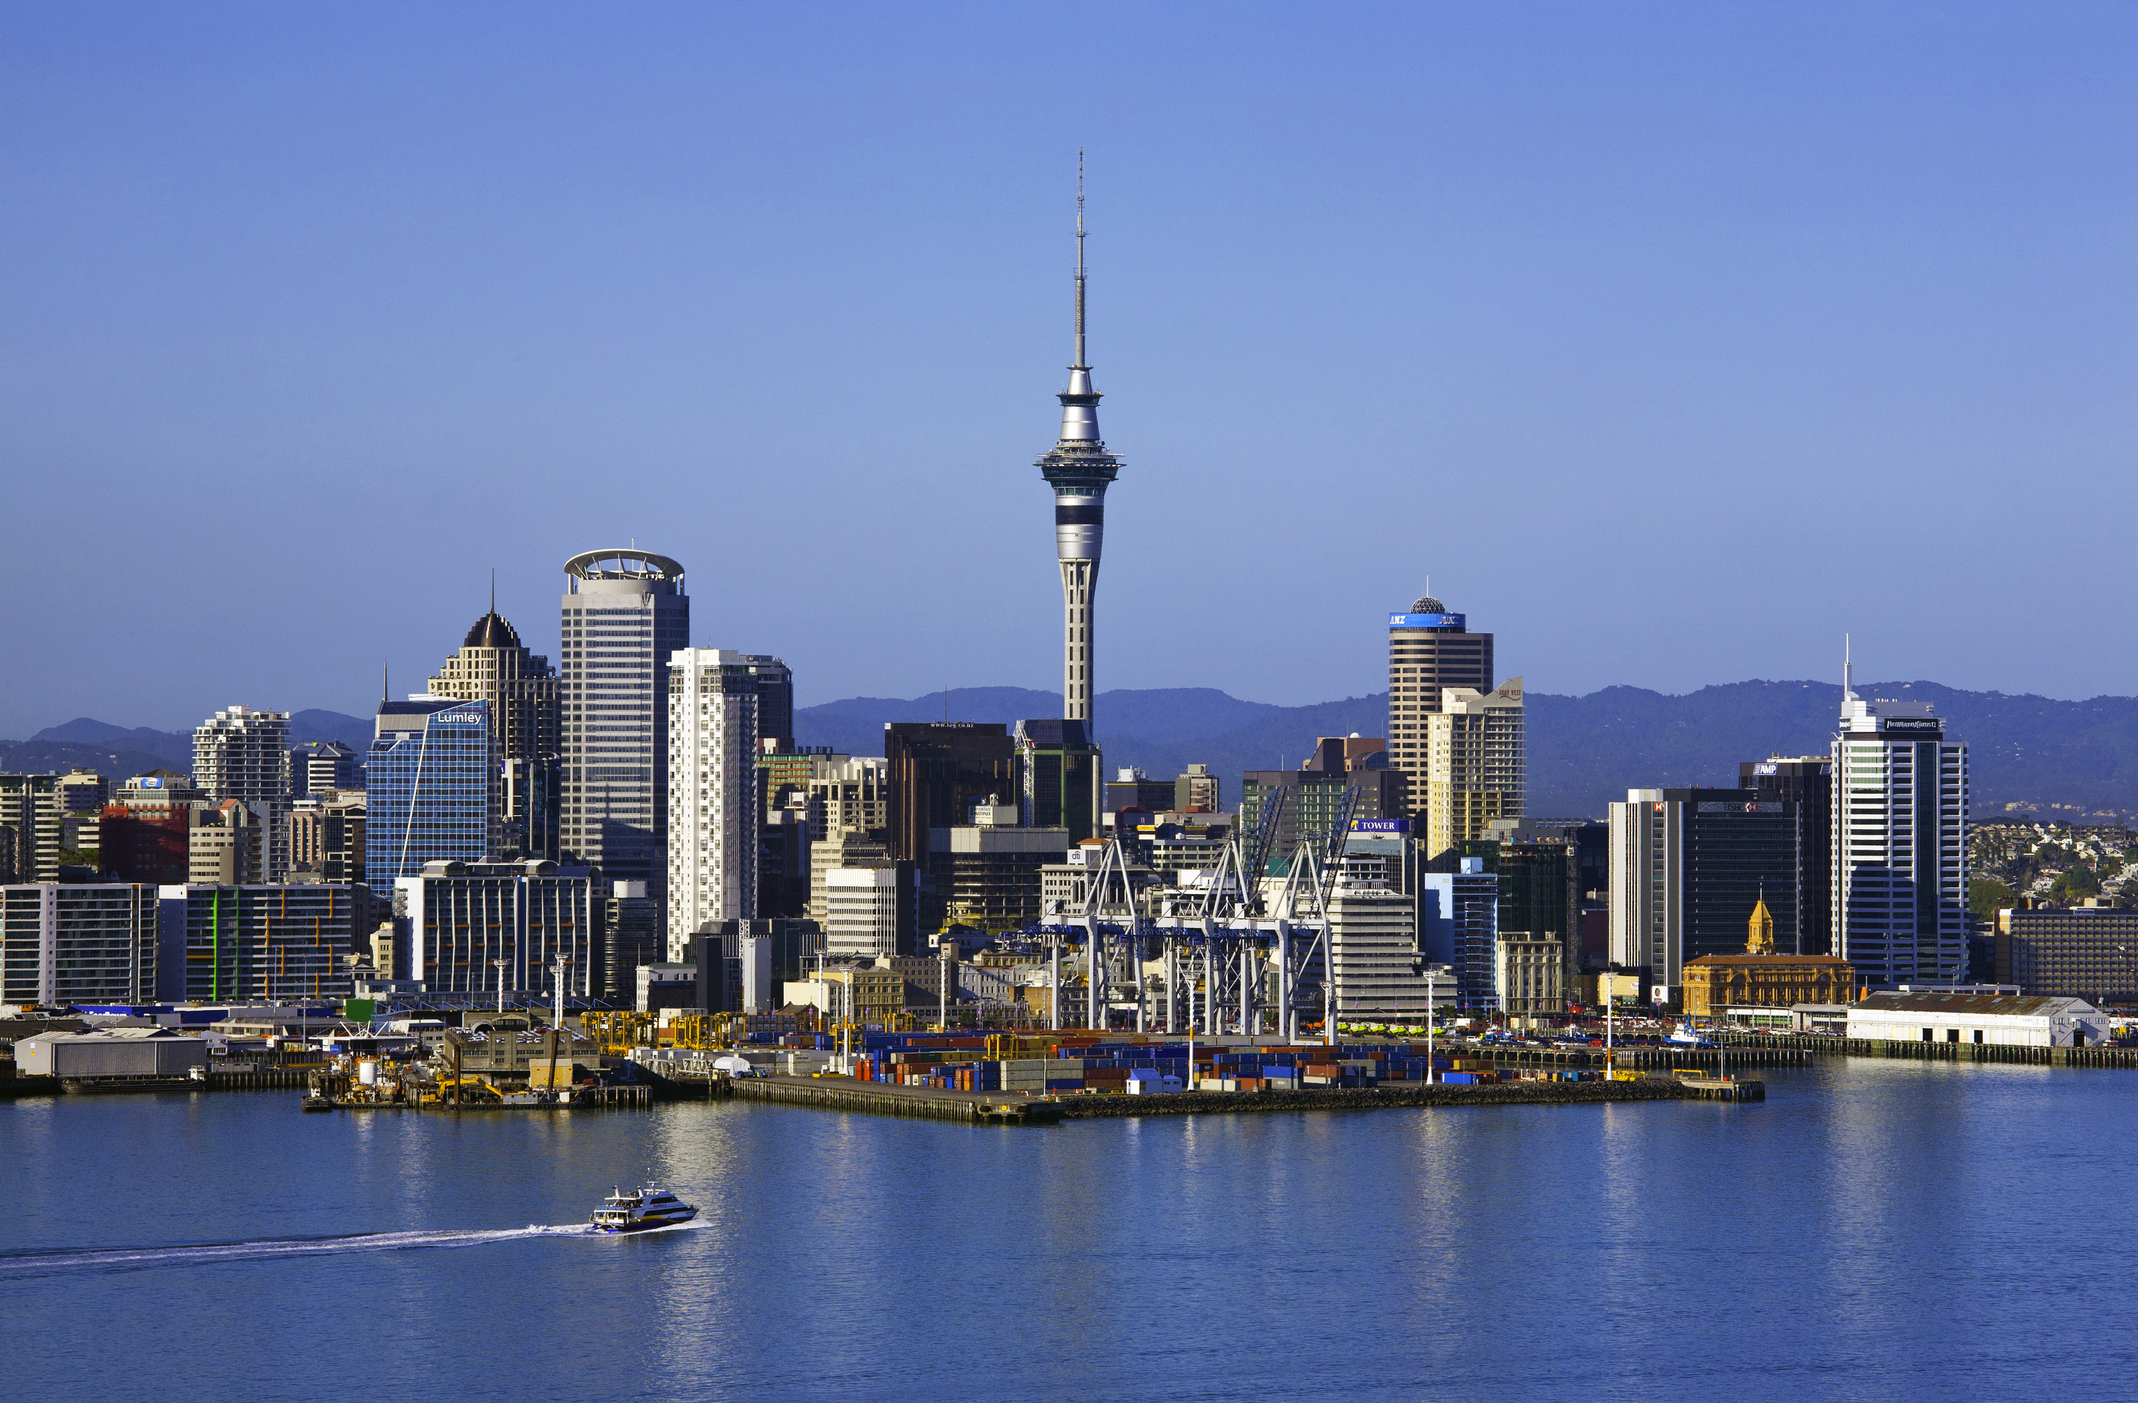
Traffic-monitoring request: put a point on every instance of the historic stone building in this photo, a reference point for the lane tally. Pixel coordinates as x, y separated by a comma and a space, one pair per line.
1759, 978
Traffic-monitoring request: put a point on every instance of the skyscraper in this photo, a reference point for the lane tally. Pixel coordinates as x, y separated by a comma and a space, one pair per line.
1059, 779
1079, 469
1475, 766
521, 689
625, 615
938, 771
429, 790
1688, 866
1806, 781
240, 753
1429, 651
712, 793
775, 698
1899, 843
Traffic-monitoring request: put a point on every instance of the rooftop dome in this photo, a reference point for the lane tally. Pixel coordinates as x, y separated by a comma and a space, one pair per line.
1426, 604
491, 631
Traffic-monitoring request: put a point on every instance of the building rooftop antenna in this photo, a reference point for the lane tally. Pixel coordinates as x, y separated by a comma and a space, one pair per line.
1848, 680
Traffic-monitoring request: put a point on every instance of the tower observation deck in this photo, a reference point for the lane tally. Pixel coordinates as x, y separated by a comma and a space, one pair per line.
1079, 469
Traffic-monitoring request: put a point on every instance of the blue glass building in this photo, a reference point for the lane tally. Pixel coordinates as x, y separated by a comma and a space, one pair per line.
427, 788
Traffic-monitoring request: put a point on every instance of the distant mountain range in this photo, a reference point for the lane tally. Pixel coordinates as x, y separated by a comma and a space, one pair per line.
115, 751
2070, 760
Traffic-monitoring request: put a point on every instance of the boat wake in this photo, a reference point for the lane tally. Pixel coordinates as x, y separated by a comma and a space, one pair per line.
33, 1264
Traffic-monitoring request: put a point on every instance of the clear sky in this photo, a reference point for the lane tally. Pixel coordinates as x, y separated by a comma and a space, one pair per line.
1671, 341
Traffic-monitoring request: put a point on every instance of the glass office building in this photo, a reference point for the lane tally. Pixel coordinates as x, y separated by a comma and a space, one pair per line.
429, 789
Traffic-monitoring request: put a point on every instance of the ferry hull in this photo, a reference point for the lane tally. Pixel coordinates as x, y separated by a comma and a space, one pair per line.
647, 1224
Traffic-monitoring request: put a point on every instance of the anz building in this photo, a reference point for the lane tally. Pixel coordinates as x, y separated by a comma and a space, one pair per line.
428, 788
1899, 844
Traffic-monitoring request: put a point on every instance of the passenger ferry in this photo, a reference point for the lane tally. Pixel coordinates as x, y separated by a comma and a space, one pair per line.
641, 1209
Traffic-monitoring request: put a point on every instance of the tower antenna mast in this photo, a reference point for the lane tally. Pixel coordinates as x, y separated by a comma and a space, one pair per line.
1080, 363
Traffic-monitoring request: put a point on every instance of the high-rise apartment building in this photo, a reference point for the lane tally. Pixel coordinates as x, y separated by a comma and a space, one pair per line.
1198, 791
522, 692
848, 794
240, 753
1475, 770
1807, 781
327, 836
31, 820
78, 943
456, 919
1429, 651
429, 788
225, 843
713, 811
1899, 843
1688, 866
624, 616
260, 944
1079, 469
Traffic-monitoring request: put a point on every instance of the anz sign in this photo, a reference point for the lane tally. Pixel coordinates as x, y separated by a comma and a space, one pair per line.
1426, 620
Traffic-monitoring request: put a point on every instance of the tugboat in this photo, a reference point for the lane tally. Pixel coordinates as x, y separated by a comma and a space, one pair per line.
641, 1209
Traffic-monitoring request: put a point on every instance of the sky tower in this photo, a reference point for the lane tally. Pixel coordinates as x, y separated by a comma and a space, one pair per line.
1078, 470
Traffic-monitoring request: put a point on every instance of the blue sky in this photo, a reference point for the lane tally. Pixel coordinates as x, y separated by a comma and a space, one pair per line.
1671, 341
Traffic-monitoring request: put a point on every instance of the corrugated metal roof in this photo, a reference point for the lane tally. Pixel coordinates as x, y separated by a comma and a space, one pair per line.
2020, 1006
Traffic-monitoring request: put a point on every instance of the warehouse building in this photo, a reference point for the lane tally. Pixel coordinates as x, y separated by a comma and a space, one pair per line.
2023, 1020
113, 1054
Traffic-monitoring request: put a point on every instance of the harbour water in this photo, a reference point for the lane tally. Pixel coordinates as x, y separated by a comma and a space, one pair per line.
1874, 1230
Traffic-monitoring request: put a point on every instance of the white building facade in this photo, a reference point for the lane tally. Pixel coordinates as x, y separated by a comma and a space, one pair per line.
2005, 1020
240, 753
1378, 970
1899, 844
862, 911
712, 792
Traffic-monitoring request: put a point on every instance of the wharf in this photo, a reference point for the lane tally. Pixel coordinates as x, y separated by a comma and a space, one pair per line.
1365, 1098
934, 1103
999, 1108
1831, 1045
1642, 1059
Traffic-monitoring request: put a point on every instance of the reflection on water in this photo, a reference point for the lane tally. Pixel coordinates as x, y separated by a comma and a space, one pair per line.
1874, 1230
